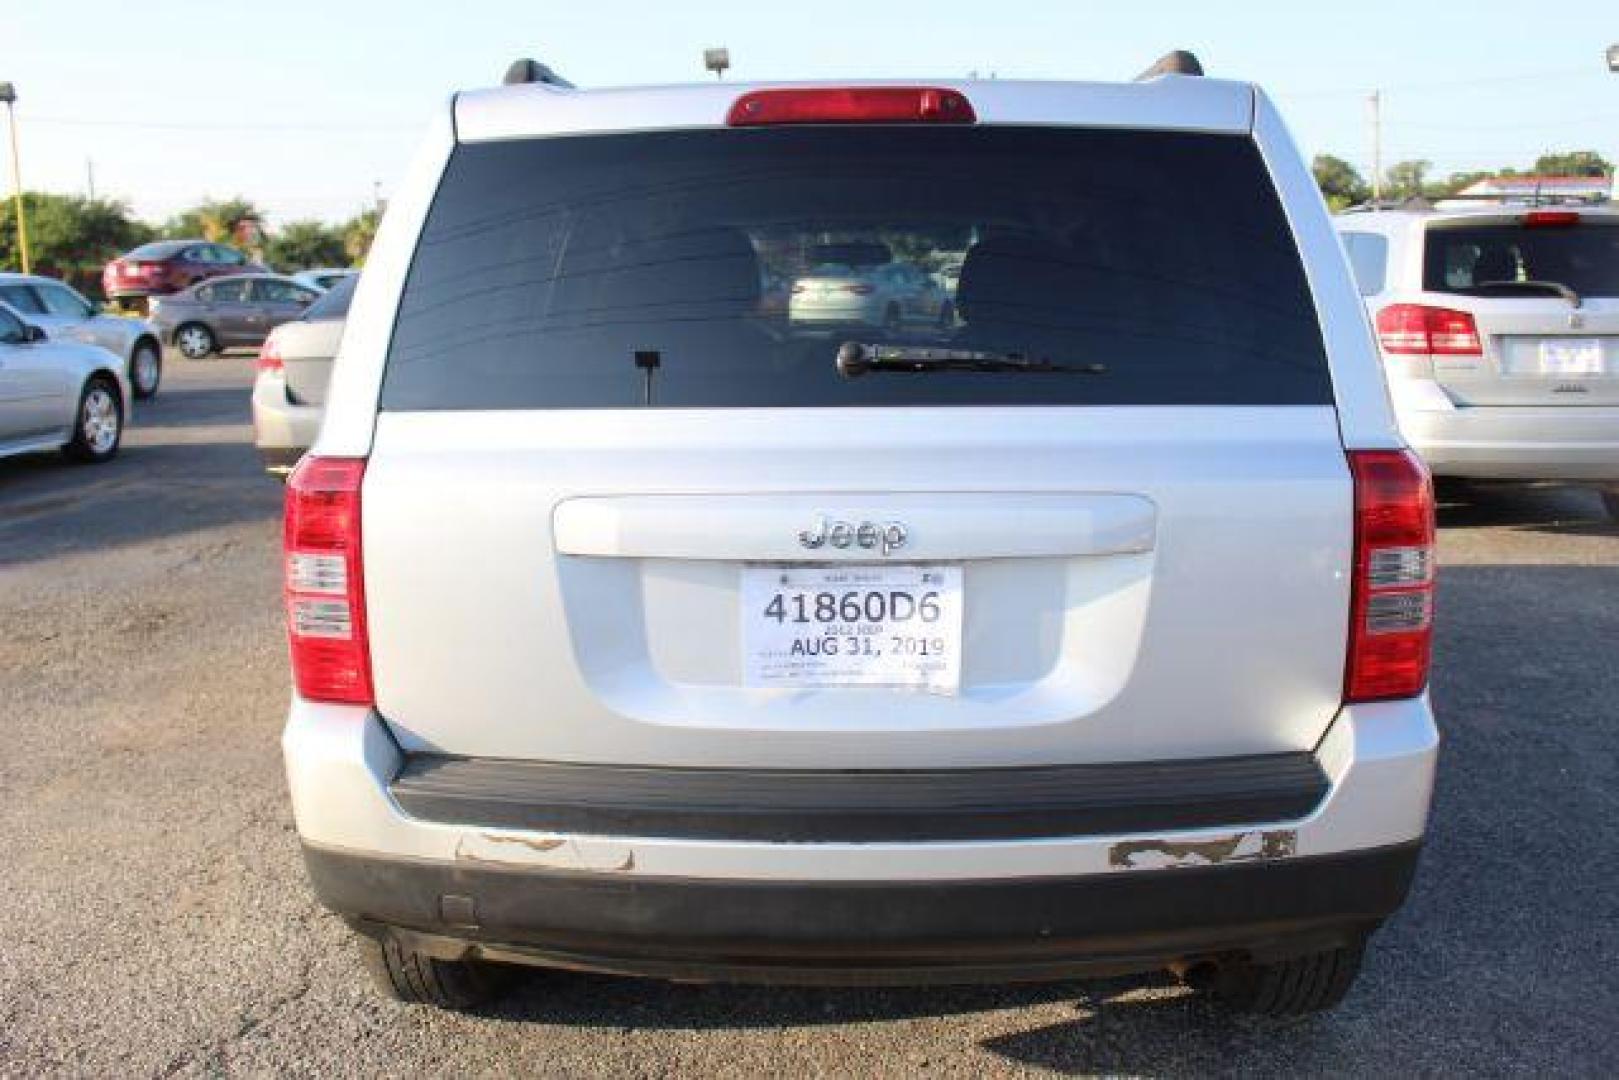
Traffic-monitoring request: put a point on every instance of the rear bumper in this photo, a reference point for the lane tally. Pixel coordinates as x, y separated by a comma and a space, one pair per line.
695, 906
867, 932
1517, 442
282, 431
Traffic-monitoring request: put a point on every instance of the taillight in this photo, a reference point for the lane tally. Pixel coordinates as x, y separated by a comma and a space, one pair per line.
1405, 329
1392, 594
852, 105
269, 356
1541, 219
324, 582
858, 289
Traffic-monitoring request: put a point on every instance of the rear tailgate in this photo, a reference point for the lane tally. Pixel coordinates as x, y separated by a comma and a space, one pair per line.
307, 349
1137, 583
600, 472
1545, 349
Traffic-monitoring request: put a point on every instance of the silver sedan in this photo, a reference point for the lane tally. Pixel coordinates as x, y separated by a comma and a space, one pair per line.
64, 314
58, 394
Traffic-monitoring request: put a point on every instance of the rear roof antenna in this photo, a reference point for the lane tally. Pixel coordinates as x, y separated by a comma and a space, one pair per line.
1179, 62
532, 71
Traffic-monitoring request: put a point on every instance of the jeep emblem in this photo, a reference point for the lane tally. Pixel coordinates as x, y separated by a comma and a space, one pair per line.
885, 538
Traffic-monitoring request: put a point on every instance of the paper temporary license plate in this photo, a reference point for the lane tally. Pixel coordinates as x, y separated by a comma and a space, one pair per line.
1571, 356
828, 626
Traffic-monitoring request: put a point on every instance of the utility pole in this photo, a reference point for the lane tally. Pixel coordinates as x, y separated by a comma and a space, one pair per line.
8, 95
1376, 104
90, 177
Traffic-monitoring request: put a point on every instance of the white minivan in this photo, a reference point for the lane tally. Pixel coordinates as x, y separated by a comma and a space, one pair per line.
637, 628
1499, 329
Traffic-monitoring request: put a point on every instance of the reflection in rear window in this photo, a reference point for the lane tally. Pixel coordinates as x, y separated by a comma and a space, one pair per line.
1468, 258
725, 268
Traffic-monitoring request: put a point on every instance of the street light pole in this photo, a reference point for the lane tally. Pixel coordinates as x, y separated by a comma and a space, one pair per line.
8, 94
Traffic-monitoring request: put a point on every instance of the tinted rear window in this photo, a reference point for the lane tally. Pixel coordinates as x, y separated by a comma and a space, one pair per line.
734, 263
335, 304
161, 249
1466, 258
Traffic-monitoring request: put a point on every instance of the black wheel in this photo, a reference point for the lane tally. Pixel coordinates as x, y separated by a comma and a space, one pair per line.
1304, 984
947, 315
98, 426
195, 341
1610, 503
145, 368
418, 979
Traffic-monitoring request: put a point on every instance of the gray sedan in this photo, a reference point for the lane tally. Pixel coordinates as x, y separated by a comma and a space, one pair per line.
229, 312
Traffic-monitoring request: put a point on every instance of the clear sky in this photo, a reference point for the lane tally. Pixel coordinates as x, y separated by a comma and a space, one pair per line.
306, 107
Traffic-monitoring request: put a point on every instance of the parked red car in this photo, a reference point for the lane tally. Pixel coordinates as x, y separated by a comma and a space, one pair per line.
167, 266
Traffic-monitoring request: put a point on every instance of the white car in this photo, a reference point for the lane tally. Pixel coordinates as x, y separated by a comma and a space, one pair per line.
63, 313
289, 387
325, 277
635, 629
889, 295
1499, 328
58, 394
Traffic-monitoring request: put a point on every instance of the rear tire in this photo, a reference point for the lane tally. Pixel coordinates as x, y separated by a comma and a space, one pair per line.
146, 369
195, 341
418, 979
1295, 987
98, 425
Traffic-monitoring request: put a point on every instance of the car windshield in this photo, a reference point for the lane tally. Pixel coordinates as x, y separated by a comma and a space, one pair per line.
725, 269
161, 249
1582, 257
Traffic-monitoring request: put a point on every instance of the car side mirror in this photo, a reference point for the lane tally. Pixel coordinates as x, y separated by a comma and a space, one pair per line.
32, 334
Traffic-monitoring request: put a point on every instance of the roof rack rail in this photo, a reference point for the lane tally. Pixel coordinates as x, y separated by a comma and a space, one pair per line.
1178, 62
525, 70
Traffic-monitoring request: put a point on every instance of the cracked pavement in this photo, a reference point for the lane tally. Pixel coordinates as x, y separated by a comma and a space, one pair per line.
154, 919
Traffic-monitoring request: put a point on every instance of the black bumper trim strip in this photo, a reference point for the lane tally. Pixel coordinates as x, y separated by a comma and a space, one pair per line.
861, 806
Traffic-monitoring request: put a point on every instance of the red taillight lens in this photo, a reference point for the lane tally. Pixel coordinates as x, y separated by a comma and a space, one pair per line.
858, 290
1541, 219
269, 356
1407, 329
324, 581
852, 105
1392, 595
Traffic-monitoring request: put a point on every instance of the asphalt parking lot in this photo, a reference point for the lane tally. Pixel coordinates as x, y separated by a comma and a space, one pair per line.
154, 917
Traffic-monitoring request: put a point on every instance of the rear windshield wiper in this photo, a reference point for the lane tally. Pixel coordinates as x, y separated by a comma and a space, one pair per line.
856, 358
1555, 287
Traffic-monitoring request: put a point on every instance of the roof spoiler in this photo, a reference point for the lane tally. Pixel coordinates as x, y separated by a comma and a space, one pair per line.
1179, 62
526, 70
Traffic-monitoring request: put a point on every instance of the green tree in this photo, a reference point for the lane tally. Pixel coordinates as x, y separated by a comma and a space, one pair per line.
299, 245
212, 219
1573, 163
1339, 182
70, 236
1406, 179
358, 232
1457, 181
